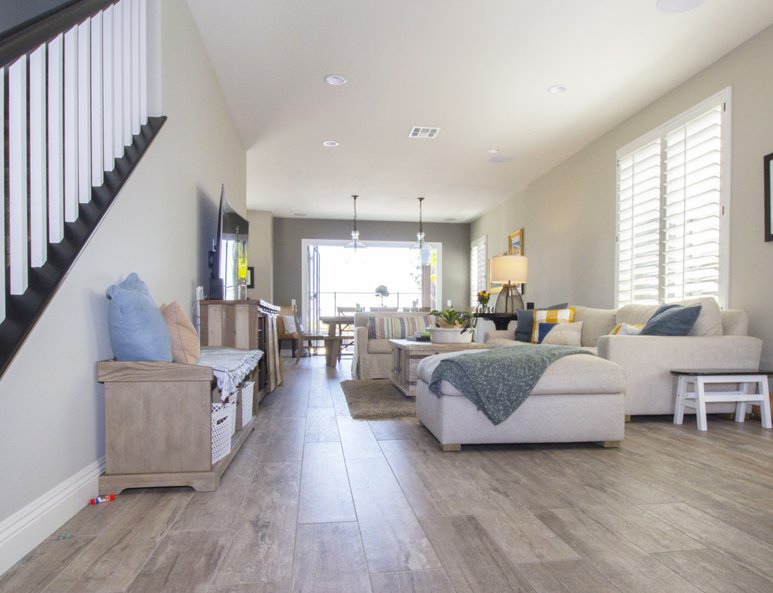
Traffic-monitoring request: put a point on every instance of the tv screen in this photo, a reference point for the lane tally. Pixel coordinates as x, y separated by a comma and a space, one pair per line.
228, 258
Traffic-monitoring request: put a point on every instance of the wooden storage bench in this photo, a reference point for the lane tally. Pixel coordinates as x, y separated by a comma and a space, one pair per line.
158, 428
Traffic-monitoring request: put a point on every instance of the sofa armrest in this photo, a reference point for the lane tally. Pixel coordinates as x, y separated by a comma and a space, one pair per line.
648, 361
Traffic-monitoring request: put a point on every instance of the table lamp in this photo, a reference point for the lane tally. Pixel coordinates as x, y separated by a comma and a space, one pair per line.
509, 270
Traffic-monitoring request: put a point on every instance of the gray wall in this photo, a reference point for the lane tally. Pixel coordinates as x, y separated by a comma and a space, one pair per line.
159, 226
259, 254
288, 253
569, 213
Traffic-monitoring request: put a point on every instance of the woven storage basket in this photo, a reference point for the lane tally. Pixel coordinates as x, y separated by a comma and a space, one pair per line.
247, 391
222, 415
232, 399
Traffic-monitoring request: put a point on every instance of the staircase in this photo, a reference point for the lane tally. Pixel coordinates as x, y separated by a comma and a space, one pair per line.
74, 99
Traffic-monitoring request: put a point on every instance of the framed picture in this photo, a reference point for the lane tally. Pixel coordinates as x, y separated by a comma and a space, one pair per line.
515, 243
768, 209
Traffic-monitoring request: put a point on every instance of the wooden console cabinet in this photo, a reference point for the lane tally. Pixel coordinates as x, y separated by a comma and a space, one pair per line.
158, 426
249, 325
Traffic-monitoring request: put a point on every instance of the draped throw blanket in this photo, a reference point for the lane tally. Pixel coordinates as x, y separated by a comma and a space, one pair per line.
498, 381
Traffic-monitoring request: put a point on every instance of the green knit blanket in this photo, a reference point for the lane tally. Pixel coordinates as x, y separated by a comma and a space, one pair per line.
499, 380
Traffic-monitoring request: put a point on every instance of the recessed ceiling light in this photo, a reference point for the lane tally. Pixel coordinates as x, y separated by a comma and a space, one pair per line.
330, 143
335, 79
558, 89
299, 214
449, 219
678, 5
501, 158
493, 151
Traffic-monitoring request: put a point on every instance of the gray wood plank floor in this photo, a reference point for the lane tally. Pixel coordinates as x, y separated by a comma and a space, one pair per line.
317, 502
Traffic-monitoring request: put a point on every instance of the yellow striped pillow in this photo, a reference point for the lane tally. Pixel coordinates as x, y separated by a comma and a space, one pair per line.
550, 316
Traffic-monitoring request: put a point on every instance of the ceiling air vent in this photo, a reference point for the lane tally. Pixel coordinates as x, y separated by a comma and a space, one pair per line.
423, 132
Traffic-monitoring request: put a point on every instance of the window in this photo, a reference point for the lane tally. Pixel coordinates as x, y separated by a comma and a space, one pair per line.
478, 268
672, 220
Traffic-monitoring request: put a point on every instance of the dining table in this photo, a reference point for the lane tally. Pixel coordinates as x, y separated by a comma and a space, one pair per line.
335, 327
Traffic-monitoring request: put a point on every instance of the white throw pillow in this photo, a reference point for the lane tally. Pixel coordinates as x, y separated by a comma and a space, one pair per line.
565, 334
289, 323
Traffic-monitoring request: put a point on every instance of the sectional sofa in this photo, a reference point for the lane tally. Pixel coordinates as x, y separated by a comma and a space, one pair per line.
585, 398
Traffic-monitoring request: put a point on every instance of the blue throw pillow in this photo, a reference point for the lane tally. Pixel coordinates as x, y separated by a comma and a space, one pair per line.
137, 328
544, 328
526, 322
671, 320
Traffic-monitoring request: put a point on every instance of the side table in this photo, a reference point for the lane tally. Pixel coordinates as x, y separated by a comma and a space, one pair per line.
406, 355
752, 388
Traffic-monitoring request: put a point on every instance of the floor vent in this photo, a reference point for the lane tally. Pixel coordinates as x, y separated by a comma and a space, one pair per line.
423, 132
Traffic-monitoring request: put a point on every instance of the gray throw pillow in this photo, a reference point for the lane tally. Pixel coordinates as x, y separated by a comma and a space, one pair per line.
671, 320
526, 322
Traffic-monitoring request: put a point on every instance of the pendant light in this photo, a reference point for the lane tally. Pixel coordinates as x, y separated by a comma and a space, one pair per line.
424, 250
355, 243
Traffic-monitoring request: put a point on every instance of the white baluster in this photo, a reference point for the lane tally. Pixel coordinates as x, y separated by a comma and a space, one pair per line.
143, 62
117, 81
97, 170
2, 197
71, 125
84, 112
37, 156
107, 88
17, 166
55, 140
127, 72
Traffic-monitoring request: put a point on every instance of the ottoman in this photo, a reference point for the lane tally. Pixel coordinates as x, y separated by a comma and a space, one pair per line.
579, 398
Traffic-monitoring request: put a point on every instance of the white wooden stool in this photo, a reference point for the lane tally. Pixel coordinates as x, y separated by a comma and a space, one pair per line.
752, 388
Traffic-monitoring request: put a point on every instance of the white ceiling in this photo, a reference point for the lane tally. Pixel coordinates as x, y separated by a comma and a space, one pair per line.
480, 71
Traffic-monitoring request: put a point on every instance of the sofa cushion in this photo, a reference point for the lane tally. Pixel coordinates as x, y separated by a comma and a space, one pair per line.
565, 334
709, 322
595, 323
671, 320
635, 314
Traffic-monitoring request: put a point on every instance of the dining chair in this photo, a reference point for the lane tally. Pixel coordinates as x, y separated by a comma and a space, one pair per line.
304, 337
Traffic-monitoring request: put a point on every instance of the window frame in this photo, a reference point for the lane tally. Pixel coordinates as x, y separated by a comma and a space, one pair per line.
724, 98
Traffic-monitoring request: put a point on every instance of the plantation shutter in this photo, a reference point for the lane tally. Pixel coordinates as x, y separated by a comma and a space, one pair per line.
693, 152
672, 221
638, 223
478, 268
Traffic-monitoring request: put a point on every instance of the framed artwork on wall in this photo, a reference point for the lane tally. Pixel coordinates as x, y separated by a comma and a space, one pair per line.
768, 209
515, 243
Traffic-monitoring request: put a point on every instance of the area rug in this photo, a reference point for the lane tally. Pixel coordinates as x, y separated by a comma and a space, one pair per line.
377, 399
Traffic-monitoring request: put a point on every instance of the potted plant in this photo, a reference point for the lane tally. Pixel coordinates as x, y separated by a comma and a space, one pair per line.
382, 291
452, 326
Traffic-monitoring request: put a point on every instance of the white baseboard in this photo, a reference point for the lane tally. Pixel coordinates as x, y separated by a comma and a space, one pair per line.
31, 525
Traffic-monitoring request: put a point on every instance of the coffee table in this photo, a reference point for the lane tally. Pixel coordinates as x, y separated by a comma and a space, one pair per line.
406, 355
752, 388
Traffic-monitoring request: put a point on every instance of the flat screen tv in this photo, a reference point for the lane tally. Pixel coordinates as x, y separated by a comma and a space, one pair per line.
228, 257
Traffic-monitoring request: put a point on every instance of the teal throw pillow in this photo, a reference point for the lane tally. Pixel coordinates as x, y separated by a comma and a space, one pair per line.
671, 320
137, 327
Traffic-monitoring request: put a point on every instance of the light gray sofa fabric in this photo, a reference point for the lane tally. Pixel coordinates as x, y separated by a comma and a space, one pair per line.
718, 339
372, 357
578, 399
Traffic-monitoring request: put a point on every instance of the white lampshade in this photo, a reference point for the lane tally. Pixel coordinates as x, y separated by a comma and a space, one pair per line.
509, 268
